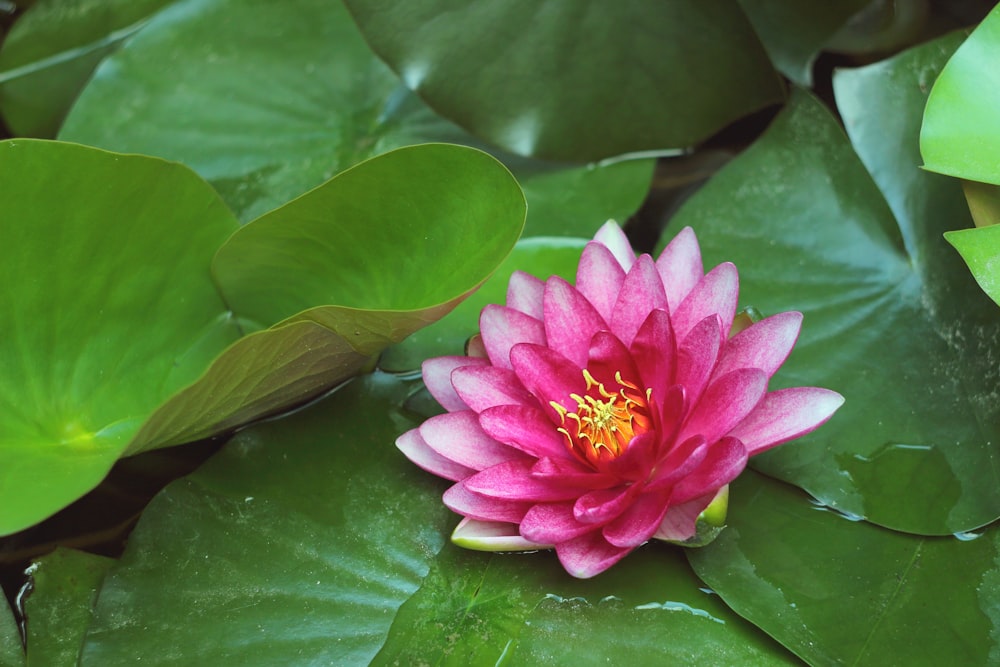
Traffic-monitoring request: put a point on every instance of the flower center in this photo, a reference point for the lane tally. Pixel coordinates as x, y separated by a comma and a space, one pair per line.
604, 422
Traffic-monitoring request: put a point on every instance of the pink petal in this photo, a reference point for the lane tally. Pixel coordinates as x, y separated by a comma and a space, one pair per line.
599, 277
672, 410
697, 356
612, 236
641, 294
609, 356
639, 522
482, 387
503, 328
784, 415
526, 428
726, 402
462, 501
570, 321
635, 463
437, 377
459, 437
513, 481
680, 462
680, 521
680, 266
552, 523
476, 348
655, 353
725, 461
417, 450
764, 345
603, 505
524, 293
572, 472
589, 555
715, 294
548, 375
492, 536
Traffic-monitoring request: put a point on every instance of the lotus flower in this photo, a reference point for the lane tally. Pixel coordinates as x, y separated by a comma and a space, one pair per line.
591, 419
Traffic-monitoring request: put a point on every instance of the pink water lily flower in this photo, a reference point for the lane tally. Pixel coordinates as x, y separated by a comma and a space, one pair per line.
593, 418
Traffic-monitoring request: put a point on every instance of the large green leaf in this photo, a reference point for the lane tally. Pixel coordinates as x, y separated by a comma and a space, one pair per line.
266, 100
52, 50
119, 342
539, 256
892, 319
59, 606
11, 651
553, 79
109, 307
961, 130
838, 592
313, 540
794, 32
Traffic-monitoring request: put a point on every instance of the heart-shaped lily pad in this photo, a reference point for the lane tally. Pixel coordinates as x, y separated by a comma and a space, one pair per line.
893, 321
266, 100
552, 79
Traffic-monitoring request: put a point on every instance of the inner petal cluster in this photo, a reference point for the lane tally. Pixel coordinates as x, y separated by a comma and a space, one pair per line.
604, 422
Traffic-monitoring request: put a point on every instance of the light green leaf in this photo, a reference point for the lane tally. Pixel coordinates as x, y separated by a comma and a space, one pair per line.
115, 340
961, 130
266, 100
52, 50
551, 79
839, 592
892, 319
980, 248
110, 308
59, 607
314, 537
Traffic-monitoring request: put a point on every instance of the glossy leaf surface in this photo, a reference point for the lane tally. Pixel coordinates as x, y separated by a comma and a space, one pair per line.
314, 537
892, 320
552, 79
961, 131
51, 52
267, 100
839, 592
59, 607
980, 248
79, 376
83, 388
795, 32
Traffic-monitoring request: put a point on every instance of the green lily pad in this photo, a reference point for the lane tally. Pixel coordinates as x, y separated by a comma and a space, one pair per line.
795, 32
51, 51
547, 78
11, 651
120, 342
110, 308
267, 100
839, 592
314, 537
961, 130
980, 248
540, 256
893, 321
59, 607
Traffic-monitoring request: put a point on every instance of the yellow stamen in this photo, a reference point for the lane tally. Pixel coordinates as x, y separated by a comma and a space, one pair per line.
604, 422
